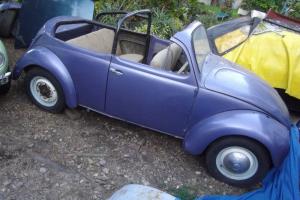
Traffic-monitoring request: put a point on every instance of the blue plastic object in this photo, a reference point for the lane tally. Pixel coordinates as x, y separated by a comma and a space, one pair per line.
222, 16
34, 13
9, 5
281, 183
140, 192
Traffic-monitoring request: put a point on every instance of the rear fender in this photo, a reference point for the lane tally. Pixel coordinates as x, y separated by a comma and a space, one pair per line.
45, 59
254, 125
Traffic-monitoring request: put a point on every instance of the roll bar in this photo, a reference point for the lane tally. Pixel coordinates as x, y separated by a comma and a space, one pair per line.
102, 14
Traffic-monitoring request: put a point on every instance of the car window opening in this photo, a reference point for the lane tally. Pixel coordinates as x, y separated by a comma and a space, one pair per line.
132, 46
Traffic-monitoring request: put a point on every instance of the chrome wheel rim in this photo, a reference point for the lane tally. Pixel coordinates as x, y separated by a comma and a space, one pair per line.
237, 163
43, 91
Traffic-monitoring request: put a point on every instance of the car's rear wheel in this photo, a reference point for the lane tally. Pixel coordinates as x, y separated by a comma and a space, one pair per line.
44, 90
238, 161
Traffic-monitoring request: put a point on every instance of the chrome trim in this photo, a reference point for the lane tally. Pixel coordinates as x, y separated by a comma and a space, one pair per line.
237, 163
115, 71
4, 79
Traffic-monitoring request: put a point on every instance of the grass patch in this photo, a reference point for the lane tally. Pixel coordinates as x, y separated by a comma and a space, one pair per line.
183, 193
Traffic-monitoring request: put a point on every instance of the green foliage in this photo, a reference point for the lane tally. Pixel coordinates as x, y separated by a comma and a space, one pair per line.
109, 5
194, 8
164, 4
163, 25
262, 5
287, 7
169, 16
184, 193
295, 10
208, 20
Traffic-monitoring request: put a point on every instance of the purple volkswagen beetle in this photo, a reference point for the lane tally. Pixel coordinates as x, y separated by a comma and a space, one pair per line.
177, 87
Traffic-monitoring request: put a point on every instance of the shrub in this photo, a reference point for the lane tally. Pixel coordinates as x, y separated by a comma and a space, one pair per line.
169, 16
208, 20
262, 5
295, 10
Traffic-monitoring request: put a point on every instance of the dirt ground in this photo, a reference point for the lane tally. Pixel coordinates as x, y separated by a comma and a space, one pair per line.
84, 155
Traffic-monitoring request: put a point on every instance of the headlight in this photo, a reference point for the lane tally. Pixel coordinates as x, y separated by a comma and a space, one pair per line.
2, 59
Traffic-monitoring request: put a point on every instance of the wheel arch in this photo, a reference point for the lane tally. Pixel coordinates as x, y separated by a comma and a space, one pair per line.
272, 135
43, 58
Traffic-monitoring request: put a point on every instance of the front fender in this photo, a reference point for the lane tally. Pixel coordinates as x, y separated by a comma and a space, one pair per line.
44, 58
257, 126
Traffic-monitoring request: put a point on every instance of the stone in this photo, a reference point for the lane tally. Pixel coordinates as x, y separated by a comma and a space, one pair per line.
105, 170
198, 173
90, 161
102, 162
96, 174
6, 183
43, 170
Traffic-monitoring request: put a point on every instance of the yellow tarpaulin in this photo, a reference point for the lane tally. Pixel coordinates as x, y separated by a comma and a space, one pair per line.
274, 56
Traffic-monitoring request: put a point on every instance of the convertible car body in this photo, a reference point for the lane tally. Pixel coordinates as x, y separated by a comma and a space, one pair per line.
269, 47
176, 86
4, 70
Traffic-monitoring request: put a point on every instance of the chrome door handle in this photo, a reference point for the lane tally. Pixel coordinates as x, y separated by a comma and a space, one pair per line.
115, 71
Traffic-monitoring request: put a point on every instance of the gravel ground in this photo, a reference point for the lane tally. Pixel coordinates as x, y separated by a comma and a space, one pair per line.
84, 155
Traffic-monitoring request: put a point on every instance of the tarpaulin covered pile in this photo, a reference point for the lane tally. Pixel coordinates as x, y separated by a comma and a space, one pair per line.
281, 183
272, 52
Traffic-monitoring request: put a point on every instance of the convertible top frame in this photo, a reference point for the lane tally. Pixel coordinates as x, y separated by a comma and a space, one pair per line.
145, 14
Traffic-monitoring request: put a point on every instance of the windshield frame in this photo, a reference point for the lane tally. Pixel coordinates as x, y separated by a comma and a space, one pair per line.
200, 65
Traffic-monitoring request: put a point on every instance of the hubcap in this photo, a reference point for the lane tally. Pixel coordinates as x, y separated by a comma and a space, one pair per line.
43, 91
237, 163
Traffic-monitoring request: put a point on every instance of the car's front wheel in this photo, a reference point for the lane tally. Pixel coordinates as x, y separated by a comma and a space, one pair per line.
44, 90
238, 161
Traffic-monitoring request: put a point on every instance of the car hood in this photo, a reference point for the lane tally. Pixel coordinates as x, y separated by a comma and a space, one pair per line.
223, 76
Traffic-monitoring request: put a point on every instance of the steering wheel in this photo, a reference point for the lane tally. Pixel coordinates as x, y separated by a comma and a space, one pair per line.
183, 68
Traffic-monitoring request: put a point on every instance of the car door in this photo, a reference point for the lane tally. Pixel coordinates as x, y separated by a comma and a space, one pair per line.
89, 71
150, 97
